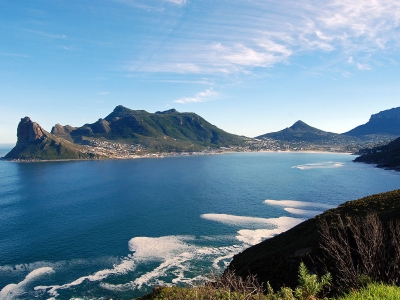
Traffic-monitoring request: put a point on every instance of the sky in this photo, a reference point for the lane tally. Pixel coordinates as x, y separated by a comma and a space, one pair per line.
247, 66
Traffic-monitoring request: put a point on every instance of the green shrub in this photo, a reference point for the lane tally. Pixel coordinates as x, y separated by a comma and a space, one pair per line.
374, 291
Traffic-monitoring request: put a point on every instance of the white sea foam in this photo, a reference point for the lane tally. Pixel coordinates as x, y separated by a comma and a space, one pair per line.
252, 237
321, 165
176, 258
303, 212
125, 266
237, 220
13, 291
297, 204
158, 248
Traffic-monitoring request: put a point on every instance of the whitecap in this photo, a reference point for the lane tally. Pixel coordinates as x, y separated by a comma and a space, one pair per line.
320, 165
252, 237
237, 220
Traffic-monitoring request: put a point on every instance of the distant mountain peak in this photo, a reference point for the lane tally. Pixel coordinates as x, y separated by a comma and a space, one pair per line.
120, 109
385, 122
300, 125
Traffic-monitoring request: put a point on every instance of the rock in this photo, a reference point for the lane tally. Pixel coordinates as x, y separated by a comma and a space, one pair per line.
29, 131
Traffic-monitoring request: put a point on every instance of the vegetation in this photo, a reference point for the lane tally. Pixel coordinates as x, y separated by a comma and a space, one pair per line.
387, 156
231, 287
356, 246
374, 291
276, 260
162, 131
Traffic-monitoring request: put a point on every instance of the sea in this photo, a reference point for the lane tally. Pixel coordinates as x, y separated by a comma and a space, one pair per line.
117, 228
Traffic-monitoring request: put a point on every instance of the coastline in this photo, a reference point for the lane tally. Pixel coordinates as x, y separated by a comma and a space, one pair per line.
174, 154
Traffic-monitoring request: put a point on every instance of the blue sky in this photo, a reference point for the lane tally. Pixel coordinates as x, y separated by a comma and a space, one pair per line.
248, 66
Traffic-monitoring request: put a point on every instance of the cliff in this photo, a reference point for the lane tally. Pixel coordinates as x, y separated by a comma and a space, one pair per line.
35, 143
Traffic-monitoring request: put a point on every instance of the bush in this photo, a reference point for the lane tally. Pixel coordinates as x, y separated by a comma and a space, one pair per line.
374, 291
361, 250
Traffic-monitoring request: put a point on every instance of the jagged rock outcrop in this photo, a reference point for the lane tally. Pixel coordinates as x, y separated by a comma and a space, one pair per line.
35, 143
63, 131
29, 131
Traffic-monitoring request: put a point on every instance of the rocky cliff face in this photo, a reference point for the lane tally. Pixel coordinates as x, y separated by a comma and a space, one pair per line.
34, 143
29, 131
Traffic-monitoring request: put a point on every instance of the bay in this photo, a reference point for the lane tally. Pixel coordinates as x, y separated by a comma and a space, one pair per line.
115, 228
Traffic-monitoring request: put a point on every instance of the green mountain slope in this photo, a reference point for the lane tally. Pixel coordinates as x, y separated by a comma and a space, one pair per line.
301, 132
169, 130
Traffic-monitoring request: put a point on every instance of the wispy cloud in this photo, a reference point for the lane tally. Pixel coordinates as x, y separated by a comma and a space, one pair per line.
13, 54
204, 96
145, 5
178, 2
229, 41
48, 35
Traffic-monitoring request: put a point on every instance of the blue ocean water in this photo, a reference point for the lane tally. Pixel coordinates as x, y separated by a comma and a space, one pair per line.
102, 229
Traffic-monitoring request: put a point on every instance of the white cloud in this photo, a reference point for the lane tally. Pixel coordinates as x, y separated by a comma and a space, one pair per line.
238, 37
199, 97
179, 2
363, 67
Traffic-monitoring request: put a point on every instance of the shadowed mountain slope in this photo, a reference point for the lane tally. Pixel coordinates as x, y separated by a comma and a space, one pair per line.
385, 122
301, 132
276, 260
387, 156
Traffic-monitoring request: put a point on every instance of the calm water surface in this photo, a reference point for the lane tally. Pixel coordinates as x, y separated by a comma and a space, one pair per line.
93, 229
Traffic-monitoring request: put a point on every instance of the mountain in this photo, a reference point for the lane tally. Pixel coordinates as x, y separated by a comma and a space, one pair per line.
35, 143
161, 131
387, 156
301, 132
386, 122
122, 134
276, 260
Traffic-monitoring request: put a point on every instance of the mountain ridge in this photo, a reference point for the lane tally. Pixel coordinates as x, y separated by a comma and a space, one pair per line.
125, 130
383, 122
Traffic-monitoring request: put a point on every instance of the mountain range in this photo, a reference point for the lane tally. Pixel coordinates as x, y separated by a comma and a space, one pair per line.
173, 131
383, 124
165, 131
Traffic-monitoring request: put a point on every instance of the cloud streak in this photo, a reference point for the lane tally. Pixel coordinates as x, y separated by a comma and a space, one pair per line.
204, 96
229, 42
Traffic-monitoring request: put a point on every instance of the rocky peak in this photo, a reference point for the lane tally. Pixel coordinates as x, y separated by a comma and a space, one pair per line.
29, 131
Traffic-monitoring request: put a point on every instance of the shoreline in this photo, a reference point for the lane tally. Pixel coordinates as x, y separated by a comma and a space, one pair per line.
166, 155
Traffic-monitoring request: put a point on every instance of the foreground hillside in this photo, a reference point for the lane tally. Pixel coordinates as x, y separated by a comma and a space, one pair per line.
276, 260
334, 241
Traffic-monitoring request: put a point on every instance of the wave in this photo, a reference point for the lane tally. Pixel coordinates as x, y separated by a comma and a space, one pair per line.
321, 165
177, 259
297, 204
14, 291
